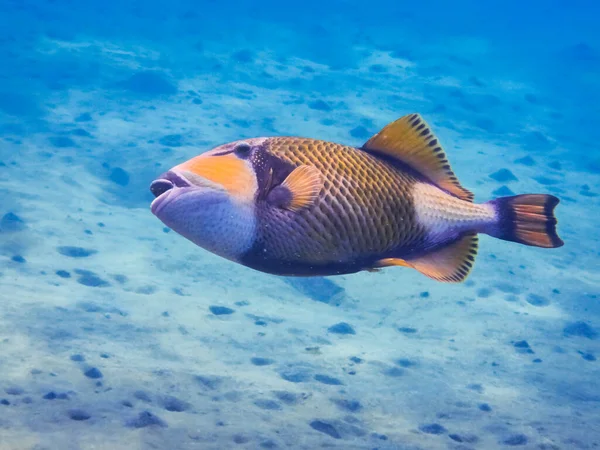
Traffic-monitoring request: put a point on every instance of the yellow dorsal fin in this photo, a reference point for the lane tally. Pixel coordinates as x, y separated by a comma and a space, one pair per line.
450, 264
410, 140
304, 185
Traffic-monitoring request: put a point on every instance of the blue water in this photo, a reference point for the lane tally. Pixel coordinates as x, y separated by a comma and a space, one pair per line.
118, 333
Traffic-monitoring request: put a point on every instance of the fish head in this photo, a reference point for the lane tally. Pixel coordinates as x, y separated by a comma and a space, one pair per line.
211, 199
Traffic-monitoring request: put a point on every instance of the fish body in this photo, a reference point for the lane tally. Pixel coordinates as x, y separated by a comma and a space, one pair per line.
304, 207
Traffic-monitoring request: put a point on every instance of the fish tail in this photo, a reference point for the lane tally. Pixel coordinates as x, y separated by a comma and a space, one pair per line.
527, 219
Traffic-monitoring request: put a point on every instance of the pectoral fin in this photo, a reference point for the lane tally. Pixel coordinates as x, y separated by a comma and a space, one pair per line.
299, 190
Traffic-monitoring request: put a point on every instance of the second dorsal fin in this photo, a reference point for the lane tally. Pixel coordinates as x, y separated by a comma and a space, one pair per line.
410, 140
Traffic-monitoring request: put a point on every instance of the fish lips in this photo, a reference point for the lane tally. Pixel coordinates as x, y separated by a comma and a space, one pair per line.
173, 184
162, 198
165, 188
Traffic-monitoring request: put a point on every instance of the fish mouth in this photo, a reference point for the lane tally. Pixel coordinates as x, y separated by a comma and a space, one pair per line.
162, 190
165, 188
173, 184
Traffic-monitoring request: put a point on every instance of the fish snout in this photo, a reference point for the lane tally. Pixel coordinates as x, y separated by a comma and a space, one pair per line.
168, 181
164, 187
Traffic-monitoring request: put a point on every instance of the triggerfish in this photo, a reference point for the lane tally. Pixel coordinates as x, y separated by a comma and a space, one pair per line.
304, 207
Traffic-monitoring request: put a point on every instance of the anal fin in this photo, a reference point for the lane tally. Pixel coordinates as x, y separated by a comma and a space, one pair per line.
389, 262
450, 264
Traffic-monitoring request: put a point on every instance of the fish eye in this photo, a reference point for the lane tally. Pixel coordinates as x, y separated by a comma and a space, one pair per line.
242, 150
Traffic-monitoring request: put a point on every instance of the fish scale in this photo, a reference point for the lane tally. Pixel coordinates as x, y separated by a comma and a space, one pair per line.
365, 206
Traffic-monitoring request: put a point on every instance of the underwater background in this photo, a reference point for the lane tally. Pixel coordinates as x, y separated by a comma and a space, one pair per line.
116, 333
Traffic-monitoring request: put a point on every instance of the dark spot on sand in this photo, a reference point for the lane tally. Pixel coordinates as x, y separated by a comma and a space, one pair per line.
93, 373
503, 176
407, 330
515, 439
433, 428
62, 141
526, 161
220, 310
546, 181
360, 132
587, 356
581, 329
326, 379
289, 398
243, 56
171, 140
85, 117
78, 414
404, 362
320, 105
90, 279
257, 361
522, 347
143, 396
465, 438
76, 252
352, 406
119, 176
295, 376
10, 222
341, 328
173, 404
267, 404
145, 419
537, 300
484, 292
14, 390
326, 428
475, 387
210, 382
503, 191
394, 372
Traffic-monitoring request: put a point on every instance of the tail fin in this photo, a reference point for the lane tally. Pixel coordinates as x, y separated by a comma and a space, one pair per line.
527, 219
